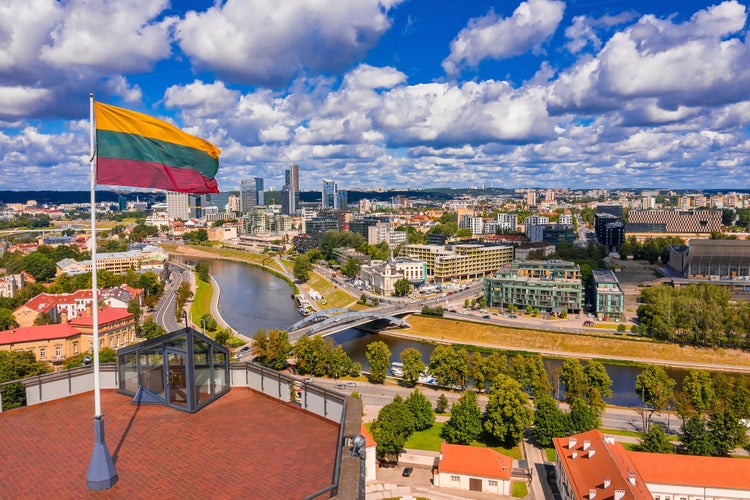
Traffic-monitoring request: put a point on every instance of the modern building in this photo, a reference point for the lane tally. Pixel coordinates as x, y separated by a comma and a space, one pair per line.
178, 205
719, 262
330, 195
615, 210
551, 233
548, 286
590, 465
318, 226
474, 224
522, 251
472, 468
462, 261
384, 232
608, 297
674, 221
251, 194
290, 191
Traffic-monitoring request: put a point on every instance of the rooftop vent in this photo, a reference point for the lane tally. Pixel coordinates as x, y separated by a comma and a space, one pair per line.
632, 477
606, 482
586, 444
574, 455
572, 442
619, 494
592, 494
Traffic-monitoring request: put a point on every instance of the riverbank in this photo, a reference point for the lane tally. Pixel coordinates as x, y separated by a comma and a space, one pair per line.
634, 350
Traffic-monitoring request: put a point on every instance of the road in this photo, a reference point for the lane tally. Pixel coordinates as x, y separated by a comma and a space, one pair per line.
164, 313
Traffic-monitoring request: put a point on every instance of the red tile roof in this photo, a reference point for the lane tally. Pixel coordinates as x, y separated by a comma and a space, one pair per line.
106, 315
588, 470
35, 333
369, 440
690, 470
473, 460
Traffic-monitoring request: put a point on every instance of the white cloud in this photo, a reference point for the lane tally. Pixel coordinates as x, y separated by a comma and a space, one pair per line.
269, 43
532, 23
118, 86
202, 99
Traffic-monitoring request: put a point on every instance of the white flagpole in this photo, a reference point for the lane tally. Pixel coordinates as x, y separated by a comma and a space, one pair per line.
101, 473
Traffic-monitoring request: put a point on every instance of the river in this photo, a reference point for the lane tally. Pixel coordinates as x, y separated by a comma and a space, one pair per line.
252, 299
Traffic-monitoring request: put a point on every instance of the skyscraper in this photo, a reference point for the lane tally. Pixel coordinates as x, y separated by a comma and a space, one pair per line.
178, 205
251, 193
290, 191
330, 196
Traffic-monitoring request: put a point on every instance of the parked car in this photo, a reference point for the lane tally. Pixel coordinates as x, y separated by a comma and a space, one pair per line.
588, 322
407, 471
340, 386
351, 384
486, 316
308, 380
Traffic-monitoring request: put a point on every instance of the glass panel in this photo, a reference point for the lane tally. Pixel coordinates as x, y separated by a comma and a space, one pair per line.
177, 375
129, 372
220, 370
152, 370
179, 343
202, 371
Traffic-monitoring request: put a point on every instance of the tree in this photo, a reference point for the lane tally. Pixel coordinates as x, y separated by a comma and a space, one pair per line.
402, 287
151, 329
507, 415
529, 371
378, 357
7, 320
421, 409
16, 365
302, 268
699, 389
222, 336
393, 426
413, 365
655, 388
726, 430
40, 266
695, 437
465, 424
208, 322
583, 417
201, 270
135, 309
549, 420
574, 378
352, 267
598, 382
277, 349
448, 366
656, 440
442, 404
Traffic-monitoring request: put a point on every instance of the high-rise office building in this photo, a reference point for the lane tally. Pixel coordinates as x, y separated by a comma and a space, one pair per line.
290, 191
178, 205
251, 193
330, 195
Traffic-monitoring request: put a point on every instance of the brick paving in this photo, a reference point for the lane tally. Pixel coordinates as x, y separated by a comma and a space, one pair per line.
244, 445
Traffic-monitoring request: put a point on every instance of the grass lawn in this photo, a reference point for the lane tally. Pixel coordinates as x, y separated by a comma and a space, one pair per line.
201, 302
519, 489
335, 297
593, 346
551, 454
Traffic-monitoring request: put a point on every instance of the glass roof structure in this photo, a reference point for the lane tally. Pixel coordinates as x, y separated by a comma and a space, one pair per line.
184, 369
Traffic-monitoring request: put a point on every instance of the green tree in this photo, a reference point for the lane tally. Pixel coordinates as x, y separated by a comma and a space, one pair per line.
442, 404
222, 336
16, 365
695, 437
151, 329
465, 423
7, 320
529, 371
699, 389
421, 409
448, 366
726, 430
378, 357
302, 268
201, 270
277, 349
583, 417
656, 440
40, 266
135, 309
393, 426
574, 378
598, 384
507, 415
352, 267
413, 365
549, 420
656, 389
402, 287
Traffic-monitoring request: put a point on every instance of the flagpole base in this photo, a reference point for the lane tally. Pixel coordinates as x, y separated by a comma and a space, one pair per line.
101, 474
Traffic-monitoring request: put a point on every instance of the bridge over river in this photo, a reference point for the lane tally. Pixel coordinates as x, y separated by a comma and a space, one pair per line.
330, 321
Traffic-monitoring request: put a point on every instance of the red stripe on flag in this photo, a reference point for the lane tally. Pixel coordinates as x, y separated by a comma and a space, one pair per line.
118, 172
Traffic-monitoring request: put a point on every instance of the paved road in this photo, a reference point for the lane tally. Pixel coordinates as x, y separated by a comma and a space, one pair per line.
164, 313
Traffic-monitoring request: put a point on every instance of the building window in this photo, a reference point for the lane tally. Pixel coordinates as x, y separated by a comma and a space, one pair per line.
42, 353
455, 478
492, 483
58, 351
75, 347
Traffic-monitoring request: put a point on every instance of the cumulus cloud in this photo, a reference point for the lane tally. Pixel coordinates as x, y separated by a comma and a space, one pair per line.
118, 86
584, 30
491, 36
267, 43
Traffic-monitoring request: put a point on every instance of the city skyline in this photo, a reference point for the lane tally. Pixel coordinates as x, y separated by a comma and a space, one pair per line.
384, 93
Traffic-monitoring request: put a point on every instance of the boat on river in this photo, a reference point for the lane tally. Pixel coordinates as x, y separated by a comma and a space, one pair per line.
397, 368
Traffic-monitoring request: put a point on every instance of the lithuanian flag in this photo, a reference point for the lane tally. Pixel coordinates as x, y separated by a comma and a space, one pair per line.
138, 150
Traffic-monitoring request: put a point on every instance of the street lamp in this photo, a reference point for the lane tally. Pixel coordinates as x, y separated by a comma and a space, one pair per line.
184, 319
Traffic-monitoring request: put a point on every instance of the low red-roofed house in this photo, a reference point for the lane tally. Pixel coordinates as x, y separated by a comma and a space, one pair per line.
116, 326
473, 468
370, 454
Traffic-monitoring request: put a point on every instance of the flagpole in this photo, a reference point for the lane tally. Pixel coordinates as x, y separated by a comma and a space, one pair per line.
101, 473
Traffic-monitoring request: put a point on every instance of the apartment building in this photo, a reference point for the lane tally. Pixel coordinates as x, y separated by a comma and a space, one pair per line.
549, 286
151, 258
459, 261
608, 297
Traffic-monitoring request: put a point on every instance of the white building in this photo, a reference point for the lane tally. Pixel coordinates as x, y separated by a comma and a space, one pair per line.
178, 205
475, 224
475, 469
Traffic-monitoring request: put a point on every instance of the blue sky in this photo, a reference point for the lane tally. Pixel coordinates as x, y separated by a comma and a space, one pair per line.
391, 93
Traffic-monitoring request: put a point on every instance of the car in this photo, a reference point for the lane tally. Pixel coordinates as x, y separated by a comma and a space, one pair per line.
486, 316
351, 384
407, 471
340, 386
308, 380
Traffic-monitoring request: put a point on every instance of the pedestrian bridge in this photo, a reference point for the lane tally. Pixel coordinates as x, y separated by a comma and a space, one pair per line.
330, 321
